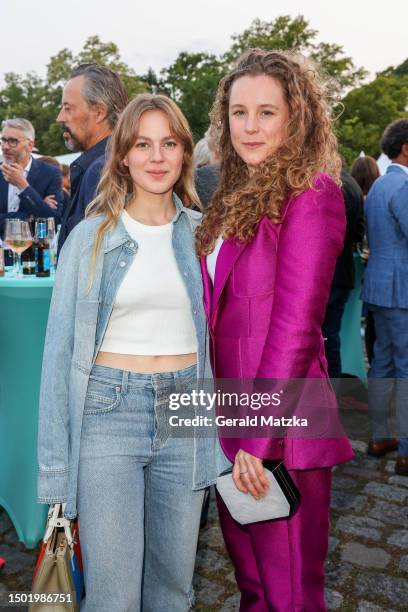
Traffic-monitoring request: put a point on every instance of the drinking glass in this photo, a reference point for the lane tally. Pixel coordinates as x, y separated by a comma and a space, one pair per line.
50, 228
17, 237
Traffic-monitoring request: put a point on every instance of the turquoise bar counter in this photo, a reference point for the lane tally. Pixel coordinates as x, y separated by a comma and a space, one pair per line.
24, 305
352, 355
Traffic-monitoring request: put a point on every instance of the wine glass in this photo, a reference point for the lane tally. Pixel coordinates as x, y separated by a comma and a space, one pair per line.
50, 229
17, 237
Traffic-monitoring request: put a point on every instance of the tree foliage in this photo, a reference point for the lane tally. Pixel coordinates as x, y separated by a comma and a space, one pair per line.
192, 79
368, 110
295, 34
39, 99
283, 33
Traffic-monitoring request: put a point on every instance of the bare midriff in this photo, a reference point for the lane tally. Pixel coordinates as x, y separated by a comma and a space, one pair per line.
146, 364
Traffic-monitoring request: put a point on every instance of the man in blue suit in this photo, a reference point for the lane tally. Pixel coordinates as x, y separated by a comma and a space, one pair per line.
92, 101
28, 187
386, 291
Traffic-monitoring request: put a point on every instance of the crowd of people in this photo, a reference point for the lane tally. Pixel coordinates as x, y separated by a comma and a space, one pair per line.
152, 297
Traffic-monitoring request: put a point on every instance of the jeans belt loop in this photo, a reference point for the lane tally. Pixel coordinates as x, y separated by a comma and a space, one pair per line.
125, 381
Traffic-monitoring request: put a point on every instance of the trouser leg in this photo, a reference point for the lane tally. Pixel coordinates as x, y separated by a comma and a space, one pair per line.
280, 564
172, 514
381, 375
239, 546
398, 321
290, 553
331, 329
111, 512
116, 444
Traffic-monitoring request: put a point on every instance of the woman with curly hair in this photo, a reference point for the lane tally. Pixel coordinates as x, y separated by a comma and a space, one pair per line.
268, 247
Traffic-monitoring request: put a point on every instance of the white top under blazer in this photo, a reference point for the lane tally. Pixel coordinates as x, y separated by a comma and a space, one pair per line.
152, 310
211, 259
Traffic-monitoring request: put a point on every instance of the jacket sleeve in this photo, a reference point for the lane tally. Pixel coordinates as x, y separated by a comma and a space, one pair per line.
53, 426
32, 203
399, 208
311, 238
310, 241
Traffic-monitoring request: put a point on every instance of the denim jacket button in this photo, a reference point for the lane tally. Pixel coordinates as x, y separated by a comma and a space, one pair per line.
122, 264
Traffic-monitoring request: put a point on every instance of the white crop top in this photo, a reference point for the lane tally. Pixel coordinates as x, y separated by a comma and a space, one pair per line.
212, 258
152, 311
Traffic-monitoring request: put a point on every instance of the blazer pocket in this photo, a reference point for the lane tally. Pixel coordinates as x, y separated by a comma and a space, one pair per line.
253, 282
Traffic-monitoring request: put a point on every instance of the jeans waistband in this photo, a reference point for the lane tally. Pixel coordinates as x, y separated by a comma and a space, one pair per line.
126, 378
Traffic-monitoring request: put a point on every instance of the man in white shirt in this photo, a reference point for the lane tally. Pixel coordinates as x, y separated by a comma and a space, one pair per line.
28, 187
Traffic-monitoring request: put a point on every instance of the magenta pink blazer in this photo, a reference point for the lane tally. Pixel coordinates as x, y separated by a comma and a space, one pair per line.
267, 307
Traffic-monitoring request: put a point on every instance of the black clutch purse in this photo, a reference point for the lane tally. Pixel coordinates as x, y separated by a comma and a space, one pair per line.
281, 500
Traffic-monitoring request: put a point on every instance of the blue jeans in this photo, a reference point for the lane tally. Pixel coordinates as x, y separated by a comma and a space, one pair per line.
138, 515
388, 374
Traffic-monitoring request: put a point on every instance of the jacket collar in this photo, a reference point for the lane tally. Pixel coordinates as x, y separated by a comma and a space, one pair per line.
89, 156
397, 168
32, 172
119, 236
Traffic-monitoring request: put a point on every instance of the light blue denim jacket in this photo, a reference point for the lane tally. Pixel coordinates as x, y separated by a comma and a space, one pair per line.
77, 323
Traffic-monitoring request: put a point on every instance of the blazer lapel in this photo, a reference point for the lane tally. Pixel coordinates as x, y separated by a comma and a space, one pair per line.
33, 171
227, 256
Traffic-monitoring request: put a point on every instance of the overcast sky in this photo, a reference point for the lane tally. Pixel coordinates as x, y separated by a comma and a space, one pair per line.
153, 32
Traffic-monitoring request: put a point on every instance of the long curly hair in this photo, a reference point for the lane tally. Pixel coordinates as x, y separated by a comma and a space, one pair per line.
309, 147
116, 184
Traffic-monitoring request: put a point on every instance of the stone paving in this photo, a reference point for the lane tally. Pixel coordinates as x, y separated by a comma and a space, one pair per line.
367, 566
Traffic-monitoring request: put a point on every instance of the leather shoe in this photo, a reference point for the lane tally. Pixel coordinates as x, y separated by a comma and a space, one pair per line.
401, 465
379, 448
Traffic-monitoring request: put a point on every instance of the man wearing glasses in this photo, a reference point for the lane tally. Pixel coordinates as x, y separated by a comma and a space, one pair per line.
28, 187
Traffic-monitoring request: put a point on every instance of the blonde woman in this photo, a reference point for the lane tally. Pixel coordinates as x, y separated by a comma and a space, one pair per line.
127, 329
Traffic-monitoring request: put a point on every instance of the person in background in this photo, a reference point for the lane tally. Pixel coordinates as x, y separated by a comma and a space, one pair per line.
385, 290
268, 244
207, 176
29, 187
52, 161
202, 156
66, 179
344, 275
92, 101
365, 171
66, 186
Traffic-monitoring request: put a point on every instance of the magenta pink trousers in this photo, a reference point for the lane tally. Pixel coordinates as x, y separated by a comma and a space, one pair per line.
279, 565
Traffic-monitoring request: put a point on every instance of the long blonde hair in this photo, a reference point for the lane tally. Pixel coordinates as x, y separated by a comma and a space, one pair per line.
309, 147
116, 183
